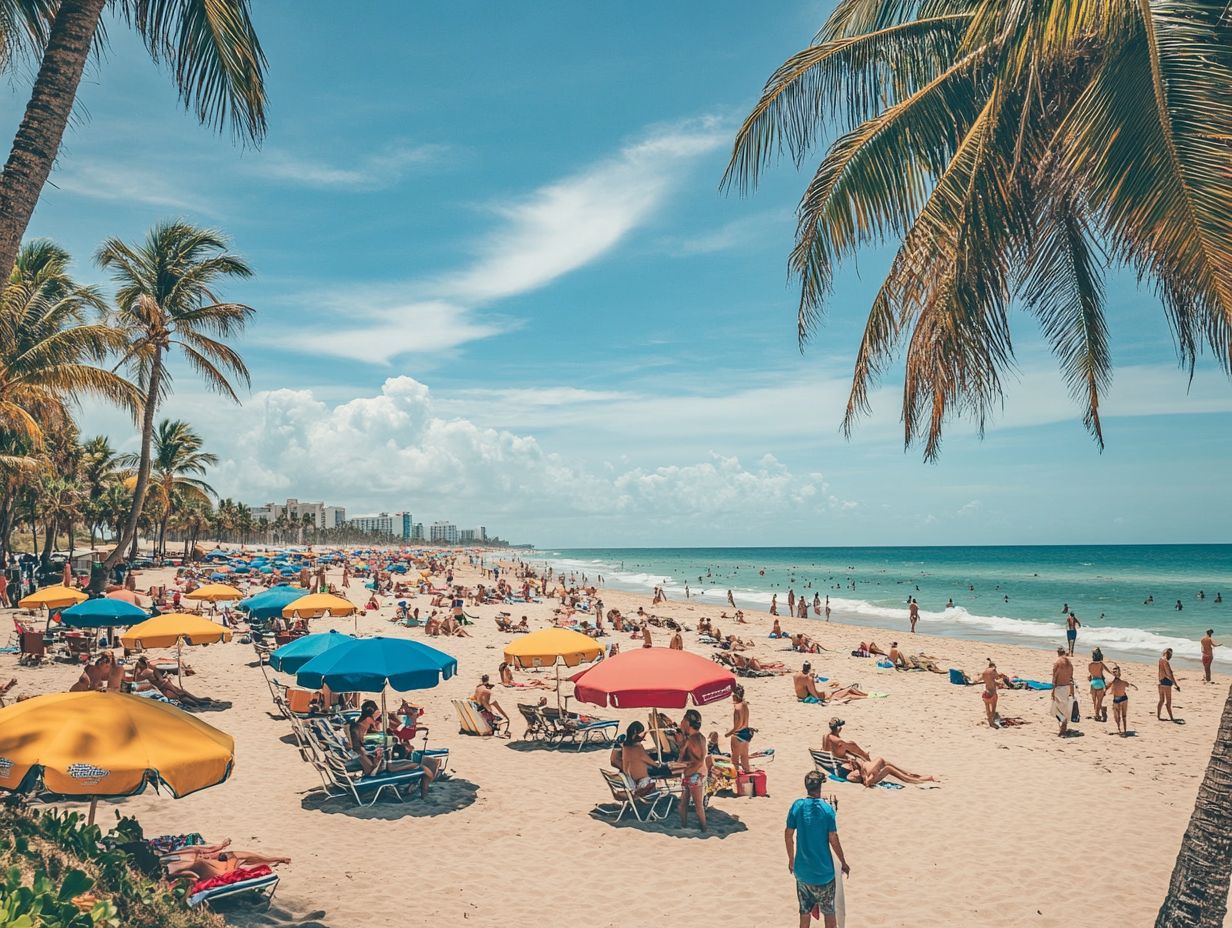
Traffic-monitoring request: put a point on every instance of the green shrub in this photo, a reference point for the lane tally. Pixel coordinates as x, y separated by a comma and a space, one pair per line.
61, 873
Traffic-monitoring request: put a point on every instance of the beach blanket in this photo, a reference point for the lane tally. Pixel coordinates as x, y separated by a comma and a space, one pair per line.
227, 879
1062, 702
884, 784
1033, 684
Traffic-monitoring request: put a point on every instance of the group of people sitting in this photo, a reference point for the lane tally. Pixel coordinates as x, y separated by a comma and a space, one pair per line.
807, 691
106, 674
691, 761
857, 766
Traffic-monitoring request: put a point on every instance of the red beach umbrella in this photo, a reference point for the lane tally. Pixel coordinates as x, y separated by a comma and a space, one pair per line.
657, 678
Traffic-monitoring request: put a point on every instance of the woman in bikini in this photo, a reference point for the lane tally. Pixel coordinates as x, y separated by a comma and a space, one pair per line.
740, 734
506, 678
207, 863
1097, 670
1120, 700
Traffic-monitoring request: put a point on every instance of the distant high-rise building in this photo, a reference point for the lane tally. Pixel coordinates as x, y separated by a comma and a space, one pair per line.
466, 536
445, 533
294, 510
406, 525
381, 524
417, 532
481, 533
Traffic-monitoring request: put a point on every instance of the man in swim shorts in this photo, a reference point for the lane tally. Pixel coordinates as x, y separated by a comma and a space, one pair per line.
812, 843
1071, 631
806, 686
1062, 690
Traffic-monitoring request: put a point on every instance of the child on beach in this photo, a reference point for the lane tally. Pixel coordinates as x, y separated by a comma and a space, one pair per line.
1120, 700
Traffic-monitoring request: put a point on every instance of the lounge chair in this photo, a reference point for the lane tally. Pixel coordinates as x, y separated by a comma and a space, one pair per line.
827, 763
358, 785
536, 728
572, 728
624, 793
264, 886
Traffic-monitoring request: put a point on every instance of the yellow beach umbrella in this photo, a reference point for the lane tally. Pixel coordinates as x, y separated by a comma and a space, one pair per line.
549, 645
215, 593
315, 605
165, 631
552, 647
97, 745
175, 629
53, 597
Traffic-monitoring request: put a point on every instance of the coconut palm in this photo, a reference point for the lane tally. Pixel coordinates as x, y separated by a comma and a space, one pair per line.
99, 468
1012, 152
209, 46
191, 521
165, 303
1015, 152
175, 474
50, 333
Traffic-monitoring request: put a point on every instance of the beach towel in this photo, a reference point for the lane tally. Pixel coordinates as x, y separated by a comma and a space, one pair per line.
1032, 684
227, 879
884, 784
1062, 702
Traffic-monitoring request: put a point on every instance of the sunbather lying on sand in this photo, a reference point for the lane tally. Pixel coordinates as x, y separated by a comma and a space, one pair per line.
145, 672
206, 863
506, 678
859, 766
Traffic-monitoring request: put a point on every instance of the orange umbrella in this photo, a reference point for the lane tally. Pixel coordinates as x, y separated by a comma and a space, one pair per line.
128, 596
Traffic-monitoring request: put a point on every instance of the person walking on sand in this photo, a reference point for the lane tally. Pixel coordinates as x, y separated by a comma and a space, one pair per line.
1062, 690
1071, 632
774, 604
1097, 672
1120, 700
812, 843
1167, 682
730, 599
693, 753
1209, 644
915, 613
989, 676
791, 601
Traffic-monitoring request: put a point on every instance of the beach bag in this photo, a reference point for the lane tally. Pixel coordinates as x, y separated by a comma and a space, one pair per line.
751, 784
1075, 715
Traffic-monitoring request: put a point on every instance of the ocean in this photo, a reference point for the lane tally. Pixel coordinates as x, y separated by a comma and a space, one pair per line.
1012, 594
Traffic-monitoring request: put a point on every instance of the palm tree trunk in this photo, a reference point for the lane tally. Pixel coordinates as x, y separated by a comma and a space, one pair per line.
42, 127
1198, 892
129, 534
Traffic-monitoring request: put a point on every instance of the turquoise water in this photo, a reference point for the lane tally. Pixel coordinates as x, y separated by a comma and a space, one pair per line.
1010, 593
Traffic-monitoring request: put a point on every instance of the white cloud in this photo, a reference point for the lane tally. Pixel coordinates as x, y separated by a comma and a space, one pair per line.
367, 172
393, 450
743, 233
128, 183
540, 237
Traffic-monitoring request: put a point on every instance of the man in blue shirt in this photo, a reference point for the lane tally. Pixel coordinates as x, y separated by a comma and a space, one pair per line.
811, 834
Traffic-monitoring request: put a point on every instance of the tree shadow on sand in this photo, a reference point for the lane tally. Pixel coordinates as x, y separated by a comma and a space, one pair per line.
444, 797
276, 916
720, 824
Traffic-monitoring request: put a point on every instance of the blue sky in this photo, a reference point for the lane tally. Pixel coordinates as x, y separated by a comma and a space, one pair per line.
497, 283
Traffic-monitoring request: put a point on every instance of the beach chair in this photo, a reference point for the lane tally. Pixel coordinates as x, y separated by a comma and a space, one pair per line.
827, 763
624, 794
570, 727
358, 785
470, 719
536, 728
263, 886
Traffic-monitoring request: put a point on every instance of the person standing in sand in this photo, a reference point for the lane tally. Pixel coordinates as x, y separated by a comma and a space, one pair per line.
774, 604
1167, 682
693, 753
989, 676
677, 643
730, 600
1062, 690
1071, 632
646, 642
812, 843
1096, 672
1120, 701
914, 610
740, 734
791, 601
1209, 644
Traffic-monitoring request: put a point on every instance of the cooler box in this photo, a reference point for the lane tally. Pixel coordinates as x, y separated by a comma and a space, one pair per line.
751, 784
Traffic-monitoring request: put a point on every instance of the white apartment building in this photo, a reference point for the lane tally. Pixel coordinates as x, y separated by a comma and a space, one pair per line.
445, 533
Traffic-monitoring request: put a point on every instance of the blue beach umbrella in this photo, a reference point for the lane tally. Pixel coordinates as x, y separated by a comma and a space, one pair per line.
295, 654
369, 665
269, 603
103, 613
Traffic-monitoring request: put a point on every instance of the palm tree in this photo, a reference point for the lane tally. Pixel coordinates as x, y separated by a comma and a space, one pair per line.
165, 301
191, 521
1017, 151
176, 467
58, 503
99, 469
210, 46
1012, 151
49, 334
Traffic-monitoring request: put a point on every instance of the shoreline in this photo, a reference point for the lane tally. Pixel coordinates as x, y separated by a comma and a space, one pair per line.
931, 623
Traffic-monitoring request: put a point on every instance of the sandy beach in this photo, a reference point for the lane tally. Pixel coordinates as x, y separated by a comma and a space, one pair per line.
1025, 828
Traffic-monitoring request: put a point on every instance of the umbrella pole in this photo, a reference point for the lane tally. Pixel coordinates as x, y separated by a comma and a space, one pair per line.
384, 728
179, 662
93, 809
